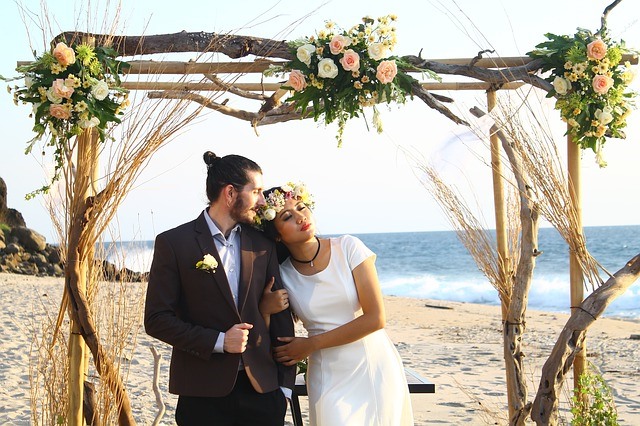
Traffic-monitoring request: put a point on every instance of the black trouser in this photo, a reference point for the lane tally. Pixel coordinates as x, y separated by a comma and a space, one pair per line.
242, 407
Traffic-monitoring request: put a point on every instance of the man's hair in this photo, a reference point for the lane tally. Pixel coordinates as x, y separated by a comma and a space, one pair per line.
230, 169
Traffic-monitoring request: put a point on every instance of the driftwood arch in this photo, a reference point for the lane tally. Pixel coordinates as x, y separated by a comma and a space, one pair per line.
491, 74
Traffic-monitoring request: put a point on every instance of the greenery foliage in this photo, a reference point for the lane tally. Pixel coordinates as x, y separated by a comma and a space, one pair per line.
590, 84
594, 405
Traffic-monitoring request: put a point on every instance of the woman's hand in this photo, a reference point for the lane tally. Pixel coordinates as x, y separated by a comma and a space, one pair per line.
296, 349
273, 302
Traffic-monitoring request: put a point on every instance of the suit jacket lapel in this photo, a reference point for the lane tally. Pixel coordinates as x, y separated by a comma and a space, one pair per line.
205, 241
246, 268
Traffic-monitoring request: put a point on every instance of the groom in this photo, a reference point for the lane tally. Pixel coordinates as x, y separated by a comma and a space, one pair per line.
205, 285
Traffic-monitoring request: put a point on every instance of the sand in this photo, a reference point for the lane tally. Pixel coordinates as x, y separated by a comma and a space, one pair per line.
457, 346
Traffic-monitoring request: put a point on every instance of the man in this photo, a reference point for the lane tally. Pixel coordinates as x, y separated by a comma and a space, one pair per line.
205, 285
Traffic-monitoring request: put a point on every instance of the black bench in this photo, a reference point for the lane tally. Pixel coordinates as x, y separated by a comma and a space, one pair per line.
417, 384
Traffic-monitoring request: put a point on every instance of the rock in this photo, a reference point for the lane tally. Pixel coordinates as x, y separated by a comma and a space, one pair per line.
29, 239
12, 248
11, 217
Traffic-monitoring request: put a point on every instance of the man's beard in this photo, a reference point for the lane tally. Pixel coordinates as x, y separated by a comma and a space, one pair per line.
240, 212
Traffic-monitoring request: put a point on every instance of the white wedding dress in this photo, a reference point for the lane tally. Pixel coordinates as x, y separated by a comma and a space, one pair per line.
360, 383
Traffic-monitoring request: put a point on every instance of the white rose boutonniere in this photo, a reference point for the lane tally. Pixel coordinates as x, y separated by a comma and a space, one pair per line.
207, 264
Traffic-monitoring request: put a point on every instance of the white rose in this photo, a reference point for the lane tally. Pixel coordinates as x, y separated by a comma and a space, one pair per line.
377, 51
299, 191
270, 214
100, 90
92, 122
53, 98
604, 116
562, 85
305, 52
286, 188
327, 68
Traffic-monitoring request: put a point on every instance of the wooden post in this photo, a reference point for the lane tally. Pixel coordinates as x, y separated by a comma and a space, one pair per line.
86, 169
501, 233
576, 278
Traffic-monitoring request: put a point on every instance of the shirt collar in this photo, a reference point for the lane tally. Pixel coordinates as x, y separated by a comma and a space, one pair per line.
216, 232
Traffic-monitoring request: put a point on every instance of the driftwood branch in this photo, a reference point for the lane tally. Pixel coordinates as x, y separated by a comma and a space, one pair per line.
157, 358
234, 46
571, 340
232, 89
515, 321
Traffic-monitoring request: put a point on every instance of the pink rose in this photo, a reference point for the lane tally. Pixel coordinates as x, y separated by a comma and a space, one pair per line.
297, 80
597, 49
338, 43
350, 61
62, 90
386, 71
59, 111
602, 83
64, 54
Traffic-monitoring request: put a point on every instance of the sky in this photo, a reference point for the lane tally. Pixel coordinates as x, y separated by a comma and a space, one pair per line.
365, 186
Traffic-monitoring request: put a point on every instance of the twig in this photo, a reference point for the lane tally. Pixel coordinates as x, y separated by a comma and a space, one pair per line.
157, 357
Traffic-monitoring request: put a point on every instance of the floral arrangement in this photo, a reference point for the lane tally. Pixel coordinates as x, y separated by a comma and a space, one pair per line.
590, 84
276, 199
208, 263
341, 72
71, 89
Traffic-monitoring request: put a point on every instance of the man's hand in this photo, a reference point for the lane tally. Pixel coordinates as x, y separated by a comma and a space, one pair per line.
273, 302
235, 339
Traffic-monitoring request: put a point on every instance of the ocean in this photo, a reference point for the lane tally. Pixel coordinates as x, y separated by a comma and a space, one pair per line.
435, 265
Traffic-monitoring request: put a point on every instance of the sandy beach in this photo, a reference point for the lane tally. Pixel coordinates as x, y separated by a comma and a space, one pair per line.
457, 346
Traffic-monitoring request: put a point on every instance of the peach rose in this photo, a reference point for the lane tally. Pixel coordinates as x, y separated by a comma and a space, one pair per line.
350, 60
601, 84
64, 54
338, 43
59, 111
386, 71
61, 90
297, 80
597, 49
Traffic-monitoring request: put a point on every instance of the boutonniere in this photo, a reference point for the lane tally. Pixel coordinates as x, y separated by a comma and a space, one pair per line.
207, 264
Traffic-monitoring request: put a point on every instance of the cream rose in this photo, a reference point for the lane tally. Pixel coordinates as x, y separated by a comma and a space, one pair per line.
297, 80
350, 60
59, 111
100, 90
562, 85
304, 53
597, 49
602, 83
269, 214
52, 96
87, 124
64, 54
386, 71
338, 43
61, 90
327, 68
604, 115
377, 51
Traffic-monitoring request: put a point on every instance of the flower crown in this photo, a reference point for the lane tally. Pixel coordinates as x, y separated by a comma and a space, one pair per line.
276, 199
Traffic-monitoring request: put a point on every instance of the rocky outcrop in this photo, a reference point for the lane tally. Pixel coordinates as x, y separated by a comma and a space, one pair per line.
11, 217
25, 251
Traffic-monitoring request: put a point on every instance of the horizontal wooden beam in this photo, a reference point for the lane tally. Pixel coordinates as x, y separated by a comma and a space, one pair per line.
259, 66
272, 87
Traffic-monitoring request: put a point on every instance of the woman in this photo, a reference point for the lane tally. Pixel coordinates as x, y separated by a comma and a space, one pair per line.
355, 375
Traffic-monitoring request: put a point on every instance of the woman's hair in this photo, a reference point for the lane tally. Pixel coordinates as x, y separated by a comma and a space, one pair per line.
270, 231
230, 169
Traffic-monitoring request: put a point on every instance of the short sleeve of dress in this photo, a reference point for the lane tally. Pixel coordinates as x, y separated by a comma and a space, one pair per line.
355, 250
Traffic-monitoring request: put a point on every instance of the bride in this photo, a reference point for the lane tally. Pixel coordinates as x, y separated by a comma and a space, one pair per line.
355, 375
